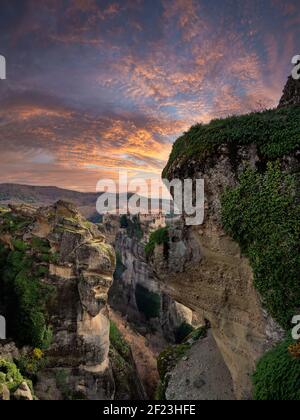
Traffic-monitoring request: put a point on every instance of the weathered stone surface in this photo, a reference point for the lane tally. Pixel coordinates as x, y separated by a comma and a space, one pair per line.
137, 271
23, 393
291, 93
201, 374
80, 270
212, 277
4, 393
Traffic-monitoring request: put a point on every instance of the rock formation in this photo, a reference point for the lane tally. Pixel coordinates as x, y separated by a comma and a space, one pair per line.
212, 277
135, 277
291, 93
78, 266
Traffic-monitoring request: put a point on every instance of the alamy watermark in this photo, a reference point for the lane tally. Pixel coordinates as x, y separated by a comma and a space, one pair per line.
296, 329
2, 67
2, 328
140, 196
296, 69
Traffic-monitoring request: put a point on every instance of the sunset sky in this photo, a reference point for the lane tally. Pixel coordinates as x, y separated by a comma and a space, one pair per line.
94, 85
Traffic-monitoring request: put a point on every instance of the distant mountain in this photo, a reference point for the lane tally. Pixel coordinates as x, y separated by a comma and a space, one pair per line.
44, 196
41, 196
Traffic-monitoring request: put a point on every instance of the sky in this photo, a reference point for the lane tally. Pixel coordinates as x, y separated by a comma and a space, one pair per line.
94, 86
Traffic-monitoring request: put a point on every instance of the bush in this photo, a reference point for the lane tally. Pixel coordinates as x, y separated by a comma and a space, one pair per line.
275, 132
148, 302
159, 237
31, 364
277, 376
24, 298
10, 375
169, 358
117, 341
263, 216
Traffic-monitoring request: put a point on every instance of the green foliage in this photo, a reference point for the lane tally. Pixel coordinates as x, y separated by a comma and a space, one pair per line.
24, 297
41, 245
197, 334
62, 382
169, 358
32, 363
19, 245
263, 216
148, 302
277, 375
10, 375
12, 223
117, 341
160, 393
132, 226
182, 332
159, 237
275, 132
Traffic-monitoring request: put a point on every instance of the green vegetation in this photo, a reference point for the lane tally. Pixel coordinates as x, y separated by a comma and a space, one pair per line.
277, 376
12, 223
263, 216
159, 237
183, 331
169, 358
148, 302
24, 296
30, 364
276, 132
11, 376
117, 341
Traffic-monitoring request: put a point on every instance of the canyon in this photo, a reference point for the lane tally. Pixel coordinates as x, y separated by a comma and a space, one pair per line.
103, 302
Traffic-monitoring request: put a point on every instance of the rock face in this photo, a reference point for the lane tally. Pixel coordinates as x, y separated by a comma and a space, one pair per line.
210, 275
23, 393
201, 374
135, 277
291, 93
79, 268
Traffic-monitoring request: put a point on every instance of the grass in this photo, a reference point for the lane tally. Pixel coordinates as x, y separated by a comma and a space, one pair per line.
275, 132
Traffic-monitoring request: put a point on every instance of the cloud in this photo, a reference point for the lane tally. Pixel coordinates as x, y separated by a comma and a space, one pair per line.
97, 85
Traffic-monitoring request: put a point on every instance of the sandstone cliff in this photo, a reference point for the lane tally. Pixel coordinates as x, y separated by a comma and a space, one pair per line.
69, 261
205, 269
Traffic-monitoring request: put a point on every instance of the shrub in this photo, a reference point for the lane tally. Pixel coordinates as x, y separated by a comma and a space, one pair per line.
148, 302
117, 341
10, 375
277, 376
263, 216
24, 298
31, 364
159, 237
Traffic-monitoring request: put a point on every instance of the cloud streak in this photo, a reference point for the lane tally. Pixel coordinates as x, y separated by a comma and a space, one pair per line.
97, 85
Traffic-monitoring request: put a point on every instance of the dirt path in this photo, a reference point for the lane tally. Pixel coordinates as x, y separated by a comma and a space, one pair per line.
144, 349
